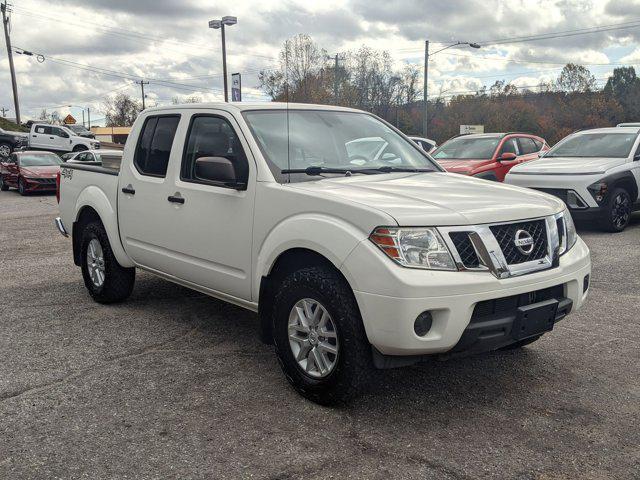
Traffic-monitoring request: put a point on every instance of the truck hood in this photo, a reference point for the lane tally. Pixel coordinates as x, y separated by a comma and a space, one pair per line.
46, 171
437, 198
461, 166
567, 165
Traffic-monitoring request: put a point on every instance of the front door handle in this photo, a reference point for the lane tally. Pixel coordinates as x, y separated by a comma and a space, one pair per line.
128, 190
176, 198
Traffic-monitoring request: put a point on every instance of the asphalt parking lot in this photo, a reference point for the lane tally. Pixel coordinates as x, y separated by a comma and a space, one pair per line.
173, 384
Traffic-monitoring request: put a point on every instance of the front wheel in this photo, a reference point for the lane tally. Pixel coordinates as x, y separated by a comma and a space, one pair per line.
319, 336
22, 189
79, 148
617, 211
106, 280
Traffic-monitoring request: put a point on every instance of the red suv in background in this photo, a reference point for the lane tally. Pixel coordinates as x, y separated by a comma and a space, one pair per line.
488, 155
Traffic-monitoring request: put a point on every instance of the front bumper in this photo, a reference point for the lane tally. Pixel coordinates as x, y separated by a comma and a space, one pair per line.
390, 297
40, 184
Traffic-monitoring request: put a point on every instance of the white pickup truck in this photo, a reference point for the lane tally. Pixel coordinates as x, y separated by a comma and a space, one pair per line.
351, 262
58, 138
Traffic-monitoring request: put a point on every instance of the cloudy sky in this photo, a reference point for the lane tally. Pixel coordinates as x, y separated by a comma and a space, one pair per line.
95, 48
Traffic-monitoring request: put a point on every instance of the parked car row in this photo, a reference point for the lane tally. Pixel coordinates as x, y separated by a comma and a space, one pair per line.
43, 136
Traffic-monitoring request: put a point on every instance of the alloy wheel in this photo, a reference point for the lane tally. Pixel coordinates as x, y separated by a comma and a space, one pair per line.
95, 262
621, 210
5, 150
313, 338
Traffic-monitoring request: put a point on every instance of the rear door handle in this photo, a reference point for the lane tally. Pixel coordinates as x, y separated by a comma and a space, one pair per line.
176, 198
128, 190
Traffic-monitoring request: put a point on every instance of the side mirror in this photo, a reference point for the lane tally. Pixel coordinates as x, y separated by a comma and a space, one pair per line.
218, 170
507, 156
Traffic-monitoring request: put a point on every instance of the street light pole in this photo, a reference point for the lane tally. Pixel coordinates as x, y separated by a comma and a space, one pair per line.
220, 24
427, 56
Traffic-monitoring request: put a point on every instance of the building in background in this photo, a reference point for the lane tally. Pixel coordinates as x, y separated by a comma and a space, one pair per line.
111, 134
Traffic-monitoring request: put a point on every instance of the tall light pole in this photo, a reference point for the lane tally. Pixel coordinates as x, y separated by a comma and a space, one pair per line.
428, 55
220, 24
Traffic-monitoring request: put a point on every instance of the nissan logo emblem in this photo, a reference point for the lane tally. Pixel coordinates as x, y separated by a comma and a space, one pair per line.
523, 242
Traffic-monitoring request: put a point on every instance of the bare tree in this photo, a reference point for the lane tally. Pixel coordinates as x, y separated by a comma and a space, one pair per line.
121, 110
576, 78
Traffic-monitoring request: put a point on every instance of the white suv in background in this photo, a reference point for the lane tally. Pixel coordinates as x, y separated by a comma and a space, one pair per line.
595, 172
59, 139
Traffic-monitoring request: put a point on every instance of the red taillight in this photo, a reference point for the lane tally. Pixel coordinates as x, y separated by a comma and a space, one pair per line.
58, 186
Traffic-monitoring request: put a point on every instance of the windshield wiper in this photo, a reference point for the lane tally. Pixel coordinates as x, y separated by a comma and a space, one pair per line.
315, 171
390, 169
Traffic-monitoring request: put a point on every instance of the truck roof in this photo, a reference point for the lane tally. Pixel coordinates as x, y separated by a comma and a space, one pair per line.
244, 106
610, 130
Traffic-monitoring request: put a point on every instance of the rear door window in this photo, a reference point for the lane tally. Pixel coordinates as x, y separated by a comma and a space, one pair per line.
154, 145
509, 146
527, 146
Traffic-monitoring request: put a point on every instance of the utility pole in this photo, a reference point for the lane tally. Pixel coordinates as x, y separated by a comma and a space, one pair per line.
426, 88
336, 58
142, 84
89, 116
14, 85
83, 117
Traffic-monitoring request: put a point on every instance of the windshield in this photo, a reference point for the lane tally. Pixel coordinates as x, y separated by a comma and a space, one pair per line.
330, 139
41, 160
608, 145
77, 128
465, 148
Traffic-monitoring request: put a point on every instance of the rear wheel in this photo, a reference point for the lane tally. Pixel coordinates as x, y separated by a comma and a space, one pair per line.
106, 280
3, 186
5, 150
319, 336
617, 211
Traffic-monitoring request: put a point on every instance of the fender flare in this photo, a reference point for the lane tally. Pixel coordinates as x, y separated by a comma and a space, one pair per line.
95, 198
325, 235
625, 176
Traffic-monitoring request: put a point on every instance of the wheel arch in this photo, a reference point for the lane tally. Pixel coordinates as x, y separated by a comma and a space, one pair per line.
93, 204
287, 262
627, 181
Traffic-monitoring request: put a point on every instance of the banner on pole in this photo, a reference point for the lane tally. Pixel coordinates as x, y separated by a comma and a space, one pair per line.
236, 87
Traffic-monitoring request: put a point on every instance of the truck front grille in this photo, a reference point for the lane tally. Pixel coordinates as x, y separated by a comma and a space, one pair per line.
465, 249
505, 235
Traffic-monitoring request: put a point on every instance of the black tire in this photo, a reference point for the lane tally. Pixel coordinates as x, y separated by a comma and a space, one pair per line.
520, 344
617, 211
5, 147
21, 188
80, 148
118, 282
3, 186
354, 363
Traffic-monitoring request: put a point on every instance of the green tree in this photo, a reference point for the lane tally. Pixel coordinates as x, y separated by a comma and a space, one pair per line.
575, 78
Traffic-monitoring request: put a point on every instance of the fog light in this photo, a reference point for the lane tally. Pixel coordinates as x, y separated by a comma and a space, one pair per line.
585, 284
423, 323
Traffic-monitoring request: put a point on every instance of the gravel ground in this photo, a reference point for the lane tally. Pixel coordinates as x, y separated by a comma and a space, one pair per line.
173, 384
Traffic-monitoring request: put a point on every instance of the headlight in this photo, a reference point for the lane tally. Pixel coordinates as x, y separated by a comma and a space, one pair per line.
17, 139
598, 190
414, 247
568, 236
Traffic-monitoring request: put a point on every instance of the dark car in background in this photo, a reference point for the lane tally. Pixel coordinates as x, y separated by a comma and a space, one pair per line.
81, 131
30, 172
10, 141
488, 155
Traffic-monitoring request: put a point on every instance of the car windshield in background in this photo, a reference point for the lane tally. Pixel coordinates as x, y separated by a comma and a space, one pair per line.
77, 128
608, 145
39, 160
463, 148
331, 140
